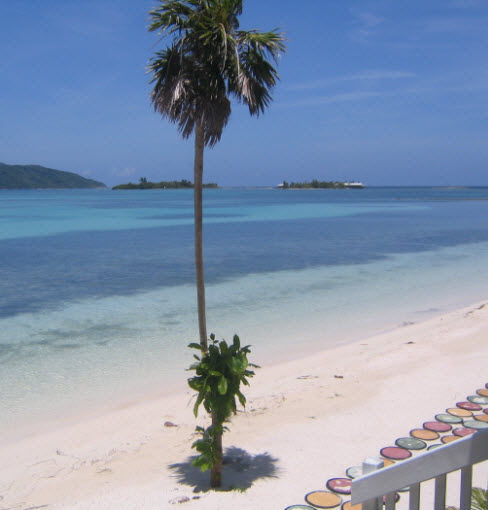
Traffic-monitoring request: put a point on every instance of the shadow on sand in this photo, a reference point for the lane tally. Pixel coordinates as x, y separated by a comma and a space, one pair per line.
241, 470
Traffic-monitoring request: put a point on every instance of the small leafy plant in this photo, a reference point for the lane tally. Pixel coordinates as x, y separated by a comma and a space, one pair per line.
219, 373
479, 500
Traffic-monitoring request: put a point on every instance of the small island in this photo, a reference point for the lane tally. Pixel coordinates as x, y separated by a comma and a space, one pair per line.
39, 177
145, 184
316, 184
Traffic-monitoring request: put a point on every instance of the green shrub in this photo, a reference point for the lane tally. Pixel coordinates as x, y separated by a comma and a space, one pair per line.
219, 373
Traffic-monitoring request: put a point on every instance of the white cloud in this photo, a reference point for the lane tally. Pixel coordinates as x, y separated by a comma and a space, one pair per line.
334, 98
366, 24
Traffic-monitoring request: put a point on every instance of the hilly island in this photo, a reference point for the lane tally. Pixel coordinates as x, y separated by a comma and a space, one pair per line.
39, 177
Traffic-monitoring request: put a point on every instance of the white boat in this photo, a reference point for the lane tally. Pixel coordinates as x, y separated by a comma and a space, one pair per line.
354, 184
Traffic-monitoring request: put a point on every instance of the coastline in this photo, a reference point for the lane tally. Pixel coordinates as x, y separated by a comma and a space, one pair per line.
307, 420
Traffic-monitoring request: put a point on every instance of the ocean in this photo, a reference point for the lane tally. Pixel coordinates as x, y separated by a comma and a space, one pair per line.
98, 300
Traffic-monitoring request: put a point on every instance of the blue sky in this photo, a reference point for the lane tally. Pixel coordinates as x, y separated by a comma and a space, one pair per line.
382, 91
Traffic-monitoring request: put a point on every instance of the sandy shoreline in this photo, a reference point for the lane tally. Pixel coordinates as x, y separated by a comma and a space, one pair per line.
306, 421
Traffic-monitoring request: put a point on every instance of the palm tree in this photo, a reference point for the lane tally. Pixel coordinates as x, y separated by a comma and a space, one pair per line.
207, 62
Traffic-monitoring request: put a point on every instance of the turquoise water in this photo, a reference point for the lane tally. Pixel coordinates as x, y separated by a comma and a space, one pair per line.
98, 300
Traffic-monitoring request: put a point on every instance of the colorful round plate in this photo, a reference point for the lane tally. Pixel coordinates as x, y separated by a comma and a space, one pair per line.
426, 435
340, 485
437, 426
481, 417
470, 406
482, 392
434, 446
448, 418
354, 472
462, 413
463, 431
347, 506
449, 439
393, 452
410, 443
299, 507
478, 399
485, 410
323, 499
397, 497
475, 424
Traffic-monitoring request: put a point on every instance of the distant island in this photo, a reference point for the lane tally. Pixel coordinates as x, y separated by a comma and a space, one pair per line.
315, 184
145, 184
39, 177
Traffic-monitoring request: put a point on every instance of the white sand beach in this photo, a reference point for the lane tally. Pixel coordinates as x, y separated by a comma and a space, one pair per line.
306, 421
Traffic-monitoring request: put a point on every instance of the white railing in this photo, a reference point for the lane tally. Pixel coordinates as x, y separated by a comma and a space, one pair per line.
370, 489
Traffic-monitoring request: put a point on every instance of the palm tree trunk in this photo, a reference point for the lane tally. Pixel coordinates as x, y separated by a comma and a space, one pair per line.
198, 214
216, 472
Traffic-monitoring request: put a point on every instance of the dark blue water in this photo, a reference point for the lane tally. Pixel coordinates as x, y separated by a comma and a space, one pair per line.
47, 271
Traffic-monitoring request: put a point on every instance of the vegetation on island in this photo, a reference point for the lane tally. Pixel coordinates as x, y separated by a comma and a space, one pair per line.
315, 184
39, 177
207, 62
145, 184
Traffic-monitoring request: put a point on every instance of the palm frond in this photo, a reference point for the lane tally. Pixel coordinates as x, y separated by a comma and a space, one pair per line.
210, 59
479, 499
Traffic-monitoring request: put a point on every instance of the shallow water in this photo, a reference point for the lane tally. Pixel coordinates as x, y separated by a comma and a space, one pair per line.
98, 300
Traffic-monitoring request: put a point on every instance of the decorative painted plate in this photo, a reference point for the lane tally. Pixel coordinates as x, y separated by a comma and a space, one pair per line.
323, 499
449, 439
475, 424
462, 413
299, 507
434, 446
478, 399
393, 452
448, 418
470, 406
482, 392
437, 426
354, 472
340, 485
397, 497
426, 435
463, 431
348, 506
410, 443
481, 417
